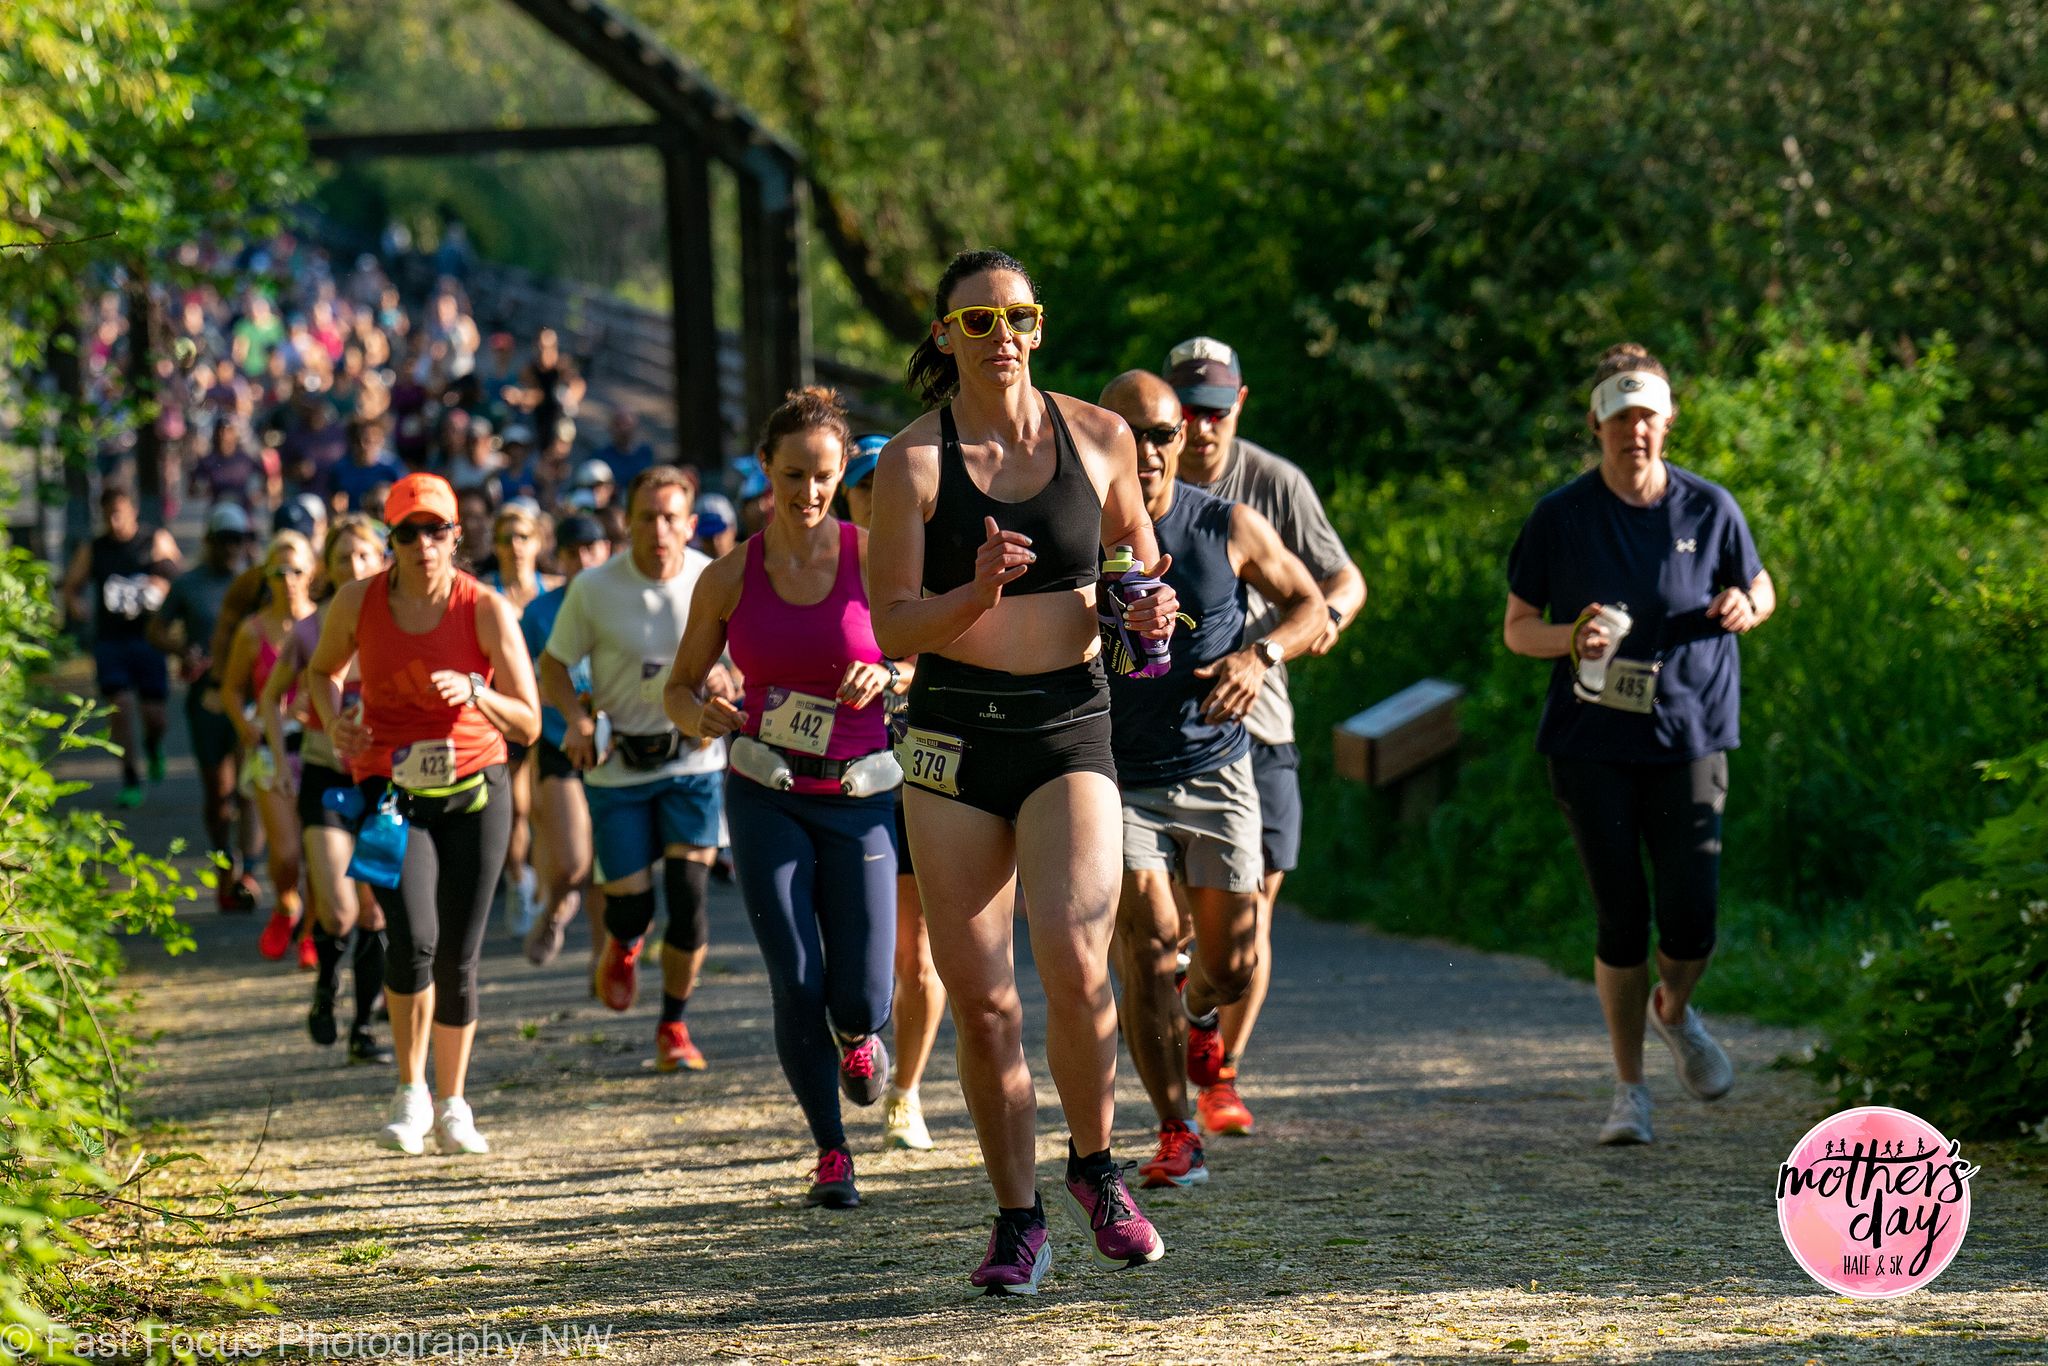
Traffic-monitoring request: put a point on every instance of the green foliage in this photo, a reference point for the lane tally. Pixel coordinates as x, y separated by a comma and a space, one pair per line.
1943, 1024
1907, 642
71, 883
129, 126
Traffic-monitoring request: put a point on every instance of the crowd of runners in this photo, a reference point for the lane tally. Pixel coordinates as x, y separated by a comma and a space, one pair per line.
1024, 661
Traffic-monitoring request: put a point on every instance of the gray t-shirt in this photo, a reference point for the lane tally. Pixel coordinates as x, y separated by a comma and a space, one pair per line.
1278, 490
195, 599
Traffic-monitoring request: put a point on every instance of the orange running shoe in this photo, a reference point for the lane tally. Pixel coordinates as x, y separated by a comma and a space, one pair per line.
1222, 1110
618, 974
276, 939
309, 957
673, 1049
1179, 1162
1205, 1054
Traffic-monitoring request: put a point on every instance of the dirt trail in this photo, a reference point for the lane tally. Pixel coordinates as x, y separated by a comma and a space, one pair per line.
1423, 1186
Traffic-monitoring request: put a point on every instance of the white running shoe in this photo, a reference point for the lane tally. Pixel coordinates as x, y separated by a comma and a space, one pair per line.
1628, 1121
1702, 1063
412, 1115
903, 1121
455, 1128
522, 902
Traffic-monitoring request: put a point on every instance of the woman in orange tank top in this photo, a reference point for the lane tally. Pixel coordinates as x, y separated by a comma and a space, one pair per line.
446, 682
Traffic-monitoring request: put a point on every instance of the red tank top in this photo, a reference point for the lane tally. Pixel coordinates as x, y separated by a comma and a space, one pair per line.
777, 644
401, 706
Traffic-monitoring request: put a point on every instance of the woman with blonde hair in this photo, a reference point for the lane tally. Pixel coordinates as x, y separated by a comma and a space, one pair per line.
347, 921
519, 539
259, 642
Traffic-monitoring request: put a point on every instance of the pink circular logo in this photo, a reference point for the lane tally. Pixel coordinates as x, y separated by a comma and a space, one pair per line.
1874, 1202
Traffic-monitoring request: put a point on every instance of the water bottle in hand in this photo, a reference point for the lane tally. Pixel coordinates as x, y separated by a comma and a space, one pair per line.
1122, 585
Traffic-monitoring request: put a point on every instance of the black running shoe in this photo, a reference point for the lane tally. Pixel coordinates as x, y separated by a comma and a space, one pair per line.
320, 1020
832, 1180
364, 1047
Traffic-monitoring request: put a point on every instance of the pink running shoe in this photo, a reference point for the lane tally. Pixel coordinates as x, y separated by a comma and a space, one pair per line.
864, 1070
1017, 1259
832, 1180
1122, 1236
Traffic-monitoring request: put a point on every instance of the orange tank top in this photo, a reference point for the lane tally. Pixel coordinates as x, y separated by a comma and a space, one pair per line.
401, 706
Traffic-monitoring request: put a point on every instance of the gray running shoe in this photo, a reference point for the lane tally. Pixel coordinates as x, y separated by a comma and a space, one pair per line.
1628, 1121
1702, 1064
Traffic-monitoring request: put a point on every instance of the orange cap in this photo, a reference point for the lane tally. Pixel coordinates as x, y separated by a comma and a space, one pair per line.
418, 493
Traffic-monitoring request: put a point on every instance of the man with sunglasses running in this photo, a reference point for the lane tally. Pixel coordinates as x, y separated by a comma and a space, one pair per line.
1183, 762
1206, 376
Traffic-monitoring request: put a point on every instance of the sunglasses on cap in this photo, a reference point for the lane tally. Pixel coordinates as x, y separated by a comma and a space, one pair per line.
978, 320
1156, 437
405, 533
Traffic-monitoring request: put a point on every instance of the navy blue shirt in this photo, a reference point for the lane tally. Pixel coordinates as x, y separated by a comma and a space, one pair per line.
355, 481
1662, 564
1156, 728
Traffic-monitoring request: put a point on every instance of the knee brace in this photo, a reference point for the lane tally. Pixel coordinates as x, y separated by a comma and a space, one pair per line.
688, 886
628, 914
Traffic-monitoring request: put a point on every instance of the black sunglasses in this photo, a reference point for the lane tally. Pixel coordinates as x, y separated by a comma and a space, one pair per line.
405, 533
1159, 436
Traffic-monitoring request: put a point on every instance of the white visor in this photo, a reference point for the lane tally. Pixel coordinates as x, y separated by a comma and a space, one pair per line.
1631, 389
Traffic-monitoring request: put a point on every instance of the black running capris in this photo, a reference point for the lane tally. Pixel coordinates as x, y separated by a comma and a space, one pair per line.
437, 915
1001, 736
315, 781
1616, 812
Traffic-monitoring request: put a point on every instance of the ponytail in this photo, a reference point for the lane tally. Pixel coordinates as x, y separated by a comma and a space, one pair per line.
932, 375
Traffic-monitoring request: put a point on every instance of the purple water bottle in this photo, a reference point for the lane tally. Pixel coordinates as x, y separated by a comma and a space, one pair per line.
1122, 584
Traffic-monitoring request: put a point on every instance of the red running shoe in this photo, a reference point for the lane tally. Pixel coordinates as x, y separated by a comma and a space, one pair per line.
1179, 1162
276, 939
618, 974
1222, 1110
1205, 1054
673, 1049
309, 957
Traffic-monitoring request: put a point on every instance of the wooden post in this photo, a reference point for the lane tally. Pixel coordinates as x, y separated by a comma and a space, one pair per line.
686, 181
143, 393
776, 333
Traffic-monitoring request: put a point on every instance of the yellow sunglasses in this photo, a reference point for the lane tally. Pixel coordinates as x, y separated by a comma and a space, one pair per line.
978, 320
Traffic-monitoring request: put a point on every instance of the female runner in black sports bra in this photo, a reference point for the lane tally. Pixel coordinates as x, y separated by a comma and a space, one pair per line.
989, 517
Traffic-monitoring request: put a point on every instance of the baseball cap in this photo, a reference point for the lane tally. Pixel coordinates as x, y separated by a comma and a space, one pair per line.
519, 434
421, 493
753, 479
227, 519
1631, 389
583, 500
579, 528
294, 516
715, 515
1204, 372
591, 473
867, 453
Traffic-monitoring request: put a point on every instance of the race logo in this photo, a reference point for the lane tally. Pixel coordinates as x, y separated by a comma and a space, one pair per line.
1874, 1202
1687, 546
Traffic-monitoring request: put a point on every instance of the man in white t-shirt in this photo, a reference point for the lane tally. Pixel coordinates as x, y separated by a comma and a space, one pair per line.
654, 795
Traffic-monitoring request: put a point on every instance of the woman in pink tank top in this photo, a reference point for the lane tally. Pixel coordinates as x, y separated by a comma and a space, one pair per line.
809, 799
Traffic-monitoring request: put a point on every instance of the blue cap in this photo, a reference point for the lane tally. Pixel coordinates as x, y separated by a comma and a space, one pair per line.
867, 453
715, 515
294, 516
753, 479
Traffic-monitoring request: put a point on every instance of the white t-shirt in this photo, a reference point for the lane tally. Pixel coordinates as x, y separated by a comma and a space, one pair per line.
628, 626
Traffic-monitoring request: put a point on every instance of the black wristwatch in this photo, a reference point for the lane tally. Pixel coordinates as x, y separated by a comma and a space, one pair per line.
1336, 615
895, 674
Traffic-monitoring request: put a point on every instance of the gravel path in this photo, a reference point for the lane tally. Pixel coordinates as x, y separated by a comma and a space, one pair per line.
1423, 1186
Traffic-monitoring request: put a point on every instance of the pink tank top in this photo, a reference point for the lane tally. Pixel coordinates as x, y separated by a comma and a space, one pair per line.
807, 650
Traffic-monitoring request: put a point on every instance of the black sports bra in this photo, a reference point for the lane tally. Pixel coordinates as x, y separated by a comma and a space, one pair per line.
1063, 519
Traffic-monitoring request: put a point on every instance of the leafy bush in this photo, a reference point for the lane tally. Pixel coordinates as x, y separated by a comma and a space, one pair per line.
70, 883
1906, 645
1943, 1024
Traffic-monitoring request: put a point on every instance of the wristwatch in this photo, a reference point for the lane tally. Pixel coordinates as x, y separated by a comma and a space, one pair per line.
895, 674
1336, 615
476, 689
1270, 651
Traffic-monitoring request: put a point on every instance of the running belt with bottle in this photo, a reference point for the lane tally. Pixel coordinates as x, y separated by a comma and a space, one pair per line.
794, 656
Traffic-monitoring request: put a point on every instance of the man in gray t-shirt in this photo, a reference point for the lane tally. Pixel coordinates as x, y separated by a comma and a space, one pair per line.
1207, 376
